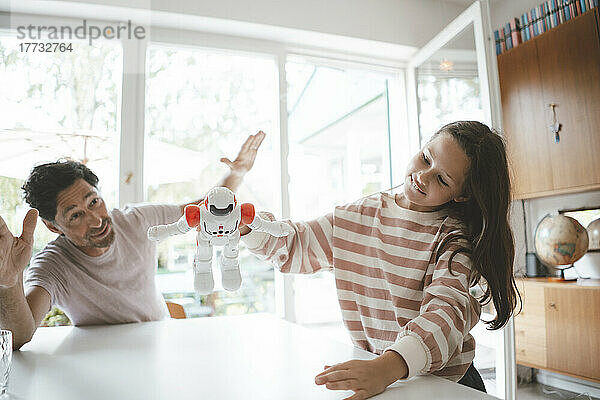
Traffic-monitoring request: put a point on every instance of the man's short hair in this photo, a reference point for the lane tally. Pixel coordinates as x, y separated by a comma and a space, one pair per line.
46, 181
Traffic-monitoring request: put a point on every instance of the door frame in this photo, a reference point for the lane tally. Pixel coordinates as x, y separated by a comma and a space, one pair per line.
477, 14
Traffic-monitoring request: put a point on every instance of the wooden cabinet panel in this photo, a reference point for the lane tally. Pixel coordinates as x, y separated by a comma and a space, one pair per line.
561, 66
531, 355
573, 330
530, 326
569, 64
524, 128
559, 327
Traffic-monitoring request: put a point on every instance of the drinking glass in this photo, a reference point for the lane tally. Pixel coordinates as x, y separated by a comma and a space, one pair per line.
5, 359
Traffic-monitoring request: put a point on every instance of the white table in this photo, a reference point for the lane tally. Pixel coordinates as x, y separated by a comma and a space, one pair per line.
248, 357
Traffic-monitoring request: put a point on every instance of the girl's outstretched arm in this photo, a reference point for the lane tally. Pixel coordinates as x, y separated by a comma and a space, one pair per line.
307, 249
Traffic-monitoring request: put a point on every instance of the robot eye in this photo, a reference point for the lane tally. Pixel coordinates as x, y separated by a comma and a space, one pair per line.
221, 211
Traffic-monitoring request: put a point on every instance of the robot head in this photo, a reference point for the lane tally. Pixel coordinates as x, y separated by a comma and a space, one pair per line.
220, 201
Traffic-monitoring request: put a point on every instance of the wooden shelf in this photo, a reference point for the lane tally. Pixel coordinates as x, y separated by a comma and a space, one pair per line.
533, 39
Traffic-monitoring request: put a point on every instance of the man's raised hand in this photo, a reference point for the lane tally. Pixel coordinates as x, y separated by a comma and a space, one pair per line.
15, 252
245, 158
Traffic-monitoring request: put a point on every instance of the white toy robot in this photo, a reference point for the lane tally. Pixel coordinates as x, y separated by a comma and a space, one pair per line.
217, 219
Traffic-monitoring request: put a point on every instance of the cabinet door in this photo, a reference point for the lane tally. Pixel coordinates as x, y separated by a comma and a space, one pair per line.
523, 120
530, 326
572, 326
569, 63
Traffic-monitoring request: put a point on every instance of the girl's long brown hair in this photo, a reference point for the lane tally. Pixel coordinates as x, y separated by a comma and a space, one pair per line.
486, 216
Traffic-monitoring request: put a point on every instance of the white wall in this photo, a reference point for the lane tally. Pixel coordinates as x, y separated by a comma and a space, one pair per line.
504, 10
518, 225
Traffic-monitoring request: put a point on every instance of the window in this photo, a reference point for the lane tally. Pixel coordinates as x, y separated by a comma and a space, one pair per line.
447, 97
57, 105
339, 152
200, 106
448, 86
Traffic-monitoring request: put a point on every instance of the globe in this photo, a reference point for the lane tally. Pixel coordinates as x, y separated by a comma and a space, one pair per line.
593, 230
560, 241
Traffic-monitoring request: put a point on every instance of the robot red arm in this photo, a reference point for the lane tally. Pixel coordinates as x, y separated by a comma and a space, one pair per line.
247, 213
192, 215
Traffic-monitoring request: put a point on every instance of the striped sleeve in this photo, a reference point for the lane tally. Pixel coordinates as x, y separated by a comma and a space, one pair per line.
447, 314
306, 250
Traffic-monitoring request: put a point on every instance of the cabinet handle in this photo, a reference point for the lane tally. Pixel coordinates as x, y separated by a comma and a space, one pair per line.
556, 126
552, 305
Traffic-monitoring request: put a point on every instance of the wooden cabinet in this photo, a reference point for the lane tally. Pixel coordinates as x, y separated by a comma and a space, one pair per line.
525, 130
530, 327
562, 67
559, 328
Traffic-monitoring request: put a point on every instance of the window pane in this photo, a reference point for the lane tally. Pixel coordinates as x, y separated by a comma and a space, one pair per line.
339, 152
58, 105
200, 106
447, 97
448, 86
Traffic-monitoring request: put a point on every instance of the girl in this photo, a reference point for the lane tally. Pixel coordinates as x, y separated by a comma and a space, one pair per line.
404, 264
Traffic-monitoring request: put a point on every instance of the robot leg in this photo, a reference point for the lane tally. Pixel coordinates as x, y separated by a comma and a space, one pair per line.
230, 266
203, 277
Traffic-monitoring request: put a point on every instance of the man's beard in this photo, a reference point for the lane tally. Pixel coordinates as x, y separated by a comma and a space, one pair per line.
105, 241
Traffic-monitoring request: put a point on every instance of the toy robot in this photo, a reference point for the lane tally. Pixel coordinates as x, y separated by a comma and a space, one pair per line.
217, 219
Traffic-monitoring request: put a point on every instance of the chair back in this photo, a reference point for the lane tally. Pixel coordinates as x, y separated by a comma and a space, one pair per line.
176, 310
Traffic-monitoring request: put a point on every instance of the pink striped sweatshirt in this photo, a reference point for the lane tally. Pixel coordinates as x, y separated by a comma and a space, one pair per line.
393, 293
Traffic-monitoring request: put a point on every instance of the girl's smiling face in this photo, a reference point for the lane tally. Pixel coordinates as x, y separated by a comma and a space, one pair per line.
435, 175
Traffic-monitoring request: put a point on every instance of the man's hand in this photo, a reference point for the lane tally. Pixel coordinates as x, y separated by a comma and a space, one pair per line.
365, 378
239, 167
15, 252
245, 158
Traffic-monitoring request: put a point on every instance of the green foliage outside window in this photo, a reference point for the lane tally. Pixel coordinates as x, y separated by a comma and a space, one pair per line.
56, 317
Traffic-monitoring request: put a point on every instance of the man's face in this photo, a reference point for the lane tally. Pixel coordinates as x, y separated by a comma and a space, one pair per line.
82, 217
436, 174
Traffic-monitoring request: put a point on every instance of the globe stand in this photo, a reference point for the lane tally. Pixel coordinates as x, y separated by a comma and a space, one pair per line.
562, 278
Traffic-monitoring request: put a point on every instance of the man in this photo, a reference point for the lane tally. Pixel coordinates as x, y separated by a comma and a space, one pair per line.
100, 270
